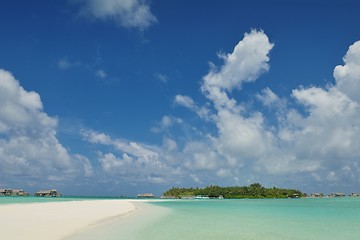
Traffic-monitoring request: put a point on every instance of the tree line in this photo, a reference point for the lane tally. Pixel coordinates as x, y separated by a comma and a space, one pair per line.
253, 191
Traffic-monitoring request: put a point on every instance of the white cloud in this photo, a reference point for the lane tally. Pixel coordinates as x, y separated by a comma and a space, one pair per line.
324, 140
244, 137
328, 134
110, 163
247, 61
223, 172
240, 137
195, 178
185, 101
101, 74
64, 64
127, 13
200, 156
28, 143
322, 144
188, 102
161, 77
313, 137
166, 123
169, 144
268, 97
138, 162
347, 76
169, 162
156, 180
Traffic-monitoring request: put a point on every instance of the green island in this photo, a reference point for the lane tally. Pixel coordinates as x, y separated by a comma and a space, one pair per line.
254, 190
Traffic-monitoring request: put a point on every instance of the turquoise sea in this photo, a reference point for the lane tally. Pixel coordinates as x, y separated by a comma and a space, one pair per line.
30, 199
13, 200
245, 219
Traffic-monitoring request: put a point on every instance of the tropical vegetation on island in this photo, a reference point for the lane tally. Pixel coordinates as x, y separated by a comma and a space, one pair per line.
253, 191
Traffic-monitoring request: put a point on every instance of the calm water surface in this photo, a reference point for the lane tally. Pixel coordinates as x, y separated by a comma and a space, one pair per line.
246, 219
13, 200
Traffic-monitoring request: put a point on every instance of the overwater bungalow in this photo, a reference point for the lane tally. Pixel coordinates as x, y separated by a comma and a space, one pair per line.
20, 193
168, 197
339, 194
4, 192
294, 196
48, 193
13, 192
145, 195
317, 195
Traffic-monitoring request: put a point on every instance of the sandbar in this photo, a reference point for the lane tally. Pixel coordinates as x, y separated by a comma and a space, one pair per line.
57, 220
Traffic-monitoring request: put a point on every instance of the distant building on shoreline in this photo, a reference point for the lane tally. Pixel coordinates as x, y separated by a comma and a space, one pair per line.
316, 195
333, 195
145, 195
338, 194
48, 193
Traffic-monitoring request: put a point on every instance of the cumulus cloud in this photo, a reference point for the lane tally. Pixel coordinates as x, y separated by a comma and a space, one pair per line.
247, 61
167, 163
313, 137
325, 138
126, 13
269, 99
169, 144
238, 135
137, 162
200, 156
347, 76
148, 153
28, 143
168, 121
317, 136
186, 101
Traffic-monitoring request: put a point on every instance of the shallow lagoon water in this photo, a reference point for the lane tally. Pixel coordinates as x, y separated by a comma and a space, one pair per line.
245, 219
24, 200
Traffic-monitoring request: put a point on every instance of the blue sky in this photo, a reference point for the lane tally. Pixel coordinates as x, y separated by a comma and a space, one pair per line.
120, 97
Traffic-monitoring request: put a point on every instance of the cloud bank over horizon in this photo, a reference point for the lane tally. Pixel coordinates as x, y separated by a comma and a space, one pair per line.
313, 139
29, 147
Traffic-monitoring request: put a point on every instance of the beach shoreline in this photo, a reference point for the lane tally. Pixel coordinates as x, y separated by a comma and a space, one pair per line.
58, 220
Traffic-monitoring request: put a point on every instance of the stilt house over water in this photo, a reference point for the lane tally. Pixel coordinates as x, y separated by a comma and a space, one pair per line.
13, 192
146, 195
48, 193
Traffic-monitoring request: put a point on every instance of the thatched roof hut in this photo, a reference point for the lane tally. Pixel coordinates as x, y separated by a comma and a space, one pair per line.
2, 191
48, 193
19, 192
145, 195
13, 192
6, 192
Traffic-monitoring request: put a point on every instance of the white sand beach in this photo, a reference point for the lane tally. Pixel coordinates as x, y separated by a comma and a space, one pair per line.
56, 220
